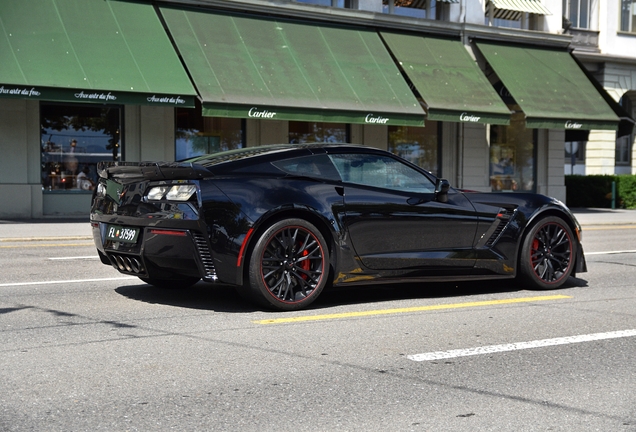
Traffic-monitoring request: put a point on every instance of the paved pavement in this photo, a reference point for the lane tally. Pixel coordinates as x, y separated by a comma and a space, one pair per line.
76, 229
600, 216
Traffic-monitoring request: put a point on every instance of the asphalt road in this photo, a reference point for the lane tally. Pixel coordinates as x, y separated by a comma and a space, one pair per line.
87, 349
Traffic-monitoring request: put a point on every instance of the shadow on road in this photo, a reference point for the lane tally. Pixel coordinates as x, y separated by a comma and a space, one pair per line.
224, 298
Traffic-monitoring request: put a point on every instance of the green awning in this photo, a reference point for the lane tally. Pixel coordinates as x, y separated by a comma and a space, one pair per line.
448, 79
99, 51
549, 87
282, 70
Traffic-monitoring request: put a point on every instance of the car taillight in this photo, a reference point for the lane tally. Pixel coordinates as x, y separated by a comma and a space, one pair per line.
173, 193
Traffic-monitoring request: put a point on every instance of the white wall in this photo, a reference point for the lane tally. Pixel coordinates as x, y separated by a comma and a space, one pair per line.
600, 152
550, 155
553, 23
610, 40
475, 158
475, 11
20, 185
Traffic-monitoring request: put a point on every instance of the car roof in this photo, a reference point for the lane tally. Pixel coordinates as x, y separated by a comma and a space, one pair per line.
276, 151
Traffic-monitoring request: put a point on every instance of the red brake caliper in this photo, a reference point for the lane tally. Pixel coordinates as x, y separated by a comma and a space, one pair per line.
305, 264
535, 249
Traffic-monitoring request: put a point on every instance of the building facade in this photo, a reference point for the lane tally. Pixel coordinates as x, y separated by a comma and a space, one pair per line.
486, 94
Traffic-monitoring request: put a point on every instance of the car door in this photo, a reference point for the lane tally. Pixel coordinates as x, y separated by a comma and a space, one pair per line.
395, 220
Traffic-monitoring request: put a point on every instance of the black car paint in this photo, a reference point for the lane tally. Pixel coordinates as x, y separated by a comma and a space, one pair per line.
472, 235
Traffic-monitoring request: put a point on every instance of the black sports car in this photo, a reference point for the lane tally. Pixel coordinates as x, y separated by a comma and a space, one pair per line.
282, 222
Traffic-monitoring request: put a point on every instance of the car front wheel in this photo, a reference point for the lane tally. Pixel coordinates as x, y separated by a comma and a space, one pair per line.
547, 254
288, 266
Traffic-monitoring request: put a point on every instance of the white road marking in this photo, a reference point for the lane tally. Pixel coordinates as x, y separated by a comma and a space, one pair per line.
610, 252
67, 281
75, 258
439, 355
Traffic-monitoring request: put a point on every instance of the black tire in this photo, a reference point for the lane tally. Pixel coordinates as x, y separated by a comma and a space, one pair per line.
180, 283
288, 267
547, 254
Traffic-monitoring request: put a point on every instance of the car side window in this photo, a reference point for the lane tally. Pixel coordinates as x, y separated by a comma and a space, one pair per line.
382, 172
317, 166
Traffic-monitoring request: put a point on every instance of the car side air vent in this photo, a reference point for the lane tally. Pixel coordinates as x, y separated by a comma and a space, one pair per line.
206, 257
503, 217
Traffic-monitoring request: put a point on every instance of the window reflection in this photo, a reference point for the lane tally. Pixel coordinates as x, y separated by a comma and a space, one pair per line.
512, 155
625, 143
74, 138
322, 132
197, 135
418, 145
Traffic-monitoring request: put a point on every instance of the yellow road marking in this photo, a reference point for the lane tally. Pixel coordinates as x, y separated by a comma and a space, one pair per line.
409, 309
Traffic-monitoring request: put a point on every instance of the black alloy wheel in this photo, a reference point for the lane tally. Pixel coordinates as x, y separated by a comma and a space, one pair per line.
548, 253
288, 266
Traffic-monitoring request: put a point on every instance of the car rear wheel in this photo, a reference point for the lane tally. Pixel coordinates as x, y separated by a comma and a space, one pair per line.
288, 266
547, 254
180, 283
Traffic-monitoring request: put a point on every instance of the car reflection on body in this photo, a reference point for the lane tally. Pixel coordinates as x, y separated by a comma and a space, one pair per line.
282, 222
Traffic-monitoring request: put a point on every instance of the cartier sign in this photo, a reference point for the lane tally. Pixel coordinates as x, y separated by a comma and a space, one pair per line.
465, 117
377, 120
255, 113
573, 125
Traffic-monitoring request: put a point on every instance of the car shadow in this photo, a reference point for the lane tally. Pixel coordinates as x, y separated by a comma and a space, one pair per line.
204, 296
225, 298
427, 290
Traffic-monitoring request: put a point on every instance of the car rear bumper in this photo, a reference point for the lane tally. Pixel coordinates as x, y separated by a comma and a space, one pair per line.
159, 252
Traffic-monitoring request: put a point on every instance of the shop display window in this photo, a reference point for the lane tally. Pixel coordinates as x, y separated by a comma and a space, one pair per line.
321, 132
74, 138
197, 135
418, 145
512, 156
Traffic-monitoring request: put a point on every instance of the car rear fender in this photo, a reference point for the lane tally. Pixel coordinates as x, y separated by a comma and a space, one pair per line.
327, 227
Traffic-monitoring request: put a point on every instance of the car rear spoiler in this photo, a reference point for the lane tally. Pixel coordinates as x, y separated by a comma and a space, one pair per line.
136, 171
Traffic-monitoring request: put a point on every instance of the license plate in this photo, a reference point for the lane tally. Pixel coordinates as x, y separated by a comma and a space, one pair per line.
122, 234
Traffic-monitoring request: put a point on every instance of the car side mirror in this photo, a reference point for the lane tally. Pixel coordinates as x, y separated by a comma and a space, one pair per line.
441, 190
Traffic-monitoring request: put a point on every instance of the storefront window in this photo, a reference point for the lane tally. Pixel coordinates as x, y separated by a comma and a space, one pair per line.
575, 157
418, 145
512, 154
628, 16
306, 132
197, 135
73, 139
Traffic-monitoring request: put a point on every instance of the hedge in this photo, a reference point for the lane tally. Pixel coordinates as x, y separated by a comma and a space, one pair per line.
596, 191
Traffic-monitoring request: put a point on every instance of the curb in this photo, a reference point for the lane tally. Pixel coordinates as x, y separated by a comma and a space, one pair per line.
29, 239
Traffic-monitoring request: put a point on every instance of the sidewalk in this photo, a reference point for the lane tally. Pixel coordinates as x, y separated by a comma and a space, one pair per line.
36, 229
79, 229
602, 216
